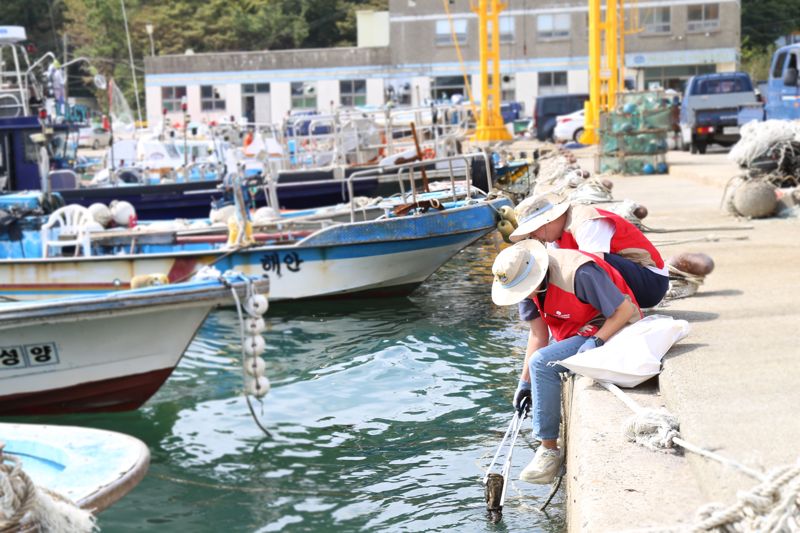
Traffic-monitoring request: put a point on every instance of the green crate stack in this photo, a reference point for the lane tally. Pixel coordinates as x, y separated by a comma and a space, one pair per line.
633, 138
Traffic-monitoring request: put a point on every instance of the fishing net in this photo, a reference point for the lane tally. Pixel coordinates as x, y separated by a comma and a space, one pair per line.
122, 120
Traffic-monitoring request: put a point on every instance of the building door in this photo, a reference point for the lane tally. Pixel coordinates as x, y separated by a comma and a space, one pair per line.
263, 111
256, 103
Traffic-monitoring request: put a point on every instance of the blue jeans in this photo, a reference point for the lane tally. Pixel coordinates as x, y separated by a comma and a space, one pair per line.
546, 385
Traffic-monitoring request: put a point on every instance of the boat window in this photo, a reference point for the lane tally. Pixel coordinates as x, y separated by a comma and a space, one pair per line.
31, 151
3, 162
172, 152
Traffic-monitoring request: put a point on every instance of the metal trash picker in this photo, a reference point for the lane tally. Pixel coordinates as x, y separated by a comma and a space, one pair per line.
495, 485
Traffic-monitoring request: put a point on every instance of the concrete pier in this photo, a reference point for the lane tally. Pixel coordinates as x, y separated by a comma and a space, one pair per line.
734, 383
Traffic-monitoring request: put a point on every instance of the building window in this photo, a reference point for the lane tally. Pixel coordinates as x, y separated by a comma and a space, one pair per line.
353, 92
506, 29
673, 77
555, 26
703, 17
444, 87
507, 88
655, 19
444, 33
398, 92
210, 99
304, 95
171, 97
552, 82
254, 88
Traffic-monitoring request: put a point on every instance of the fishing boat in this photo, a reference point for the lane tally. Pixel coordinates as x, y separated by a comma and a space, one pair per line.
107, 352
93, 468
387, 249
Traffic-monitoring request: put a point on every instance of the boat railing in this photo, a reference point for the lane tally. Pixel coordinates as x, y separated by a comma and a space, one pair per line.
398, 171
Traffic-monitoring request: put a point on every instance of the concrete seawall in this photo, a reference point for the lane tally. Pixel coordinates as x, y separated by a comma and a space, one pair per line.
734, 383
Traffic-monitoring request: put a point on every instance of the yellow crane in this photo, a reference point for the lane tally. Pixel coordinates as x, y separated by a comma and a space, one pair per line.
490, 121
606, 71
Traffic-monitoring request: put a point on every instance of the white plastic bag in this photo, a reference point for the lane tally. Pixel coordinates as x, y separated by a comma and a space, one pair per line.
633, 355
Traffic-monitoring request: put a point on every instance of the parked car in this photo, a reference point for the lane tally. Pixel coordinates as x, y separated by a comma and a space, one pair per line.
547, 108
783, 87
711, 107
93, 137
569, 127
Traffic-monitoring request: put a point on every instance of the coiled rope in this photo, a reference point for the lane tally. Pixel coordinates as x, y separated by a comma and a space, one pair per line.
24, 506
772, 506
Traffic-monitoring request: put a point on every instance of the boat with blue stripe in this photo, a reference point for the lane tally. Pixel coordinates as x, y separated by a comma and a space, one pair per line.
317, 256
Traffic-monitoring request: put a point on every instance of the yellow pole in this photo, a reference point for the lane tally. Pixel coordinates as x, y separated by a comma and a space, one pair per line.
622, 44
592, 107
612, 52
490, 122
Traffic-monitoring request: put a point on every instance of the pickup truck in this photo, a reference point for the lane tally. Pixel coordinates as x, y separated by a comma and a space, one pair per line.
711, 107
783, 90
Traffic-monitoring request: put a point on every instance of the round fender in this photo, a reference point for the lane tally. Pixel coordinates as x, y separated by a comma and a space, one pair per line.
506, 229
695, 263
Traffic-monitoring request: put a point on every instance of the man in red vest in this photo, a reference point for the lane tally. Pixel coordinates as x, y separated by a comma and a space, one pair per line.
582, 300
551, 219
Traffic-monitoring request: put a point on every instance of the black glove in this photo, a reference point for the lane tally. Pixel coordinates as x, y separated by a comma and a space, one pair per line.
523, 391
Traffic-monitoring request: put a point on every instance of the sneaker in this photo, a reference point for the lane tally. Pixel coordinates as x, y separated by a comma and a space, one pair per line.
543, 467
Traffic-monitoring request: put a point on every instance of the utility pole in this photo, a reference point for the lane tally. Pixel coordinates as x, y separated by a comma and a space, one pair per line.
130, 55
149, 29
490, 121
66, 73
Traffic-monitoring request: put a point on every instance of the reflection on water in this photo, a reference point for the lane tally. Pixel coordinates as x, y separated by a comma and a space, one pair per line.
383, 414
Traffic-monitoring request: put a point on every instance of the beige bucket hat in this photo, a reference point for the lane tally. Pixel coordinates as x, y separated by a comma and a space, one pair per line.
534, 212
517, 271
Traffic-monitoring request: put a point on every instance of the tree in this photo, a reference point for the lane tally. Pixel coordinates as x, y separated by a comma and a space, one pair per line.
764, 21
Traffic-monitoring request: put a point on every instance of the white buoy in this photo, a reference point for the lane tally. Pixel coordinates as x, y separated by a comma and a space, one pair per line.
254, 325
257, 387
256, 305
254, 366
122, 212
101, 214
254, 346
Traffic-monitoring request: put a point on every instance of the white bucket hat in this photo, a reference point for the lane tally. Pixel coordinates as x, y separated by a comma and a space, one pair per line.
534, 212
517, 271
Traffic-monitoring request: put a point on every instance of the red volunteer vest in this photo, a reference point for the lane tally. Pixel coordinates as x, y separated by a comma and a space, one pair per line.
564, 314
627, 241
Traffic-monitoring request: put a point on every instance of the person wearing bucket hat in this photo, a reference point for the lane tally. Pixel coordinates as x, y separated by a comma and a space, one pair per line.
551, 219
581, 301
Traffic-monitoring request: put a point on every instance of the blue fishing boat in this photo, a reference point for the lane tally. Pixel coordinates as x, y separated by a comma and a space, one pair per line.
386, 250
107, 352
92, 468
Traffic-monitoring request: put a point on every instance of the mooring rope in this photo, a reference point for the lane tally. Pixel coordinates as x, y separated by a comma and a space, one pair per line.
771, 506
24, 506
707, 238
251, 363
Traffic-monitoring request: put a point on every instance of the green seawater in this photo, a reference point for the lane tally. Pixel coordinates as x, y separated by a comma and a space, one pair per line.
383, 415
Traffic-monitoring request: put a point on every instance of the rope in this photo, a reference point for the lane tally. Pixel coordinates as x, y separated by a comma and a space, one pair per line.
464, 72
23, 506
707, 238
682, 284
694, 228
243, 338
771, 506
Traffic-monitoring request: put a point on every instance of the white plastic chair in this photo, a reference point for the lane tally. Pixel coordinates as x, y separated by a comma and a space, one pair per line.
71, 220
